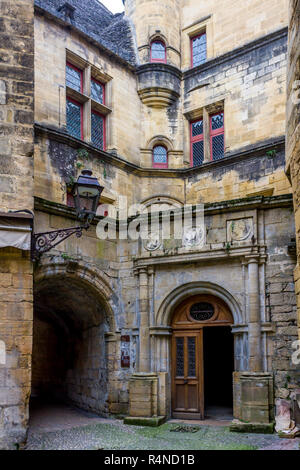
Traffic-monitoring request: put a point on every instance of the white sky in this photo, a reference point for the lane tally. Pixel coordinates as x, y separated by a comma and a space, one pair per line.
116, 6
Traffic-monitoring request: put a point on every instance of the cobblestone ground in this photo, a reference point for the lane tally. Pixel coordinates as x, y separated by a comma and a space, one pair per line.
69, 429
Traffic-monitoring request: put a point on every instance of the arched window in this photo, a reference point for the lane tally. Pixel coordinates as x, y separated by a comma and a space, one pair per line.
160, 157
158, 51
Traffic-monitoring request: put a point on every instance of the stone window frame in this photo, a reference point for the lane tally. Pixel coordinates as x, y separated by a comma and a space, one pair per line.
84, 98
158, 61
205, 113
160, 165
203, 25
192, 38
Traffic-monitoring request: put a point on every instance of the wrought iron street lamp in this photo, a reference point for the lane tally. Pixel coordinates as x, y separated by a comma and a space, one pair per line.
86, 193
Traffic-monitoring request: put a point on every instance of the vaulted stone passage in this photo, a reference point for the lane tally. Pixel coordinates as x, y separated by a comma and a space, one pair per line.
69, 354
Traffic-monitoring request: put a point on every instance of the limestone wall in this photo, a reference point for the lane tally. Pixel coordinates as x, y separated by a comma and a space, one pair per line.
293, 123
16, 193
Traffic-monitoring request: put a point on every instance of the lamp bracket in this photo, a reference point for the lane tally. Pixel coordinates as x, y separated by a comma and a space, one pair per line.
43, 242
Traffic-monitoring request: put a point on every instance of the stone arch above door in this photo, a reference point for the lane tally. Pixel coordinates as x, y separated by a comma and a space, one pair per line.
183, 292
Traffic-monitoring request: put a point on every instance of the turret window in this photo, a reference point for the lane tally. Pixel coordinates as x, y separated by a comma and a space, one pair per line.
198, 50
160, 157
158, 52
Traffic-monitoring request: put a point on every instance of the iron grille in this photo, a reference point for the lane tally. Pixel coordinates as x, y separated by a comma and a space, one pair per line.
73, 78
97, 123
218, 147
179, 357
217, 121
199, 50
97, 92
158, 51
192, 356
198, 153
197, 128
159, 154
74, 119
202, 311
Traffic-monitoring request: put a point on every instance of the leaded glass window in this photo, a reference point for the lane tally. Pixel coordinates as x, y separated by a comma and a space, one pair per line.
197, 143
97, 123
97, 91
217, 136
160, 157
192, 356
198, 46
180, 357
74, 78
202, 311
158, 51
74, 119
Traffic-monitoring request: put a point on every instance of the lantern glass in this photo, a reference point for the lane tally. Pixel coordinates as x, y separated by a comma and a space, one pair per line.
87, 192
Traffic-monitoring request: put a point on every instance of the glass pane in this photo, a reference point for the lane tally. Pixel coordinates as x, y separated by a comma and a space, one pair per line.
97, 123
73, 78
199, 50
202, 311
74, 119
198, 153
159, 154
192, 356
218, 147
180, 357
197, 128
97, 91
217, 121
158, 51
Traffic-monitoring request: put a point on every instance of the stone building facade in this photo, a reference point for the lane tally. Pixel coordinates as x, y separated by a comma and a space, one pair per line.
188, 112
293, 124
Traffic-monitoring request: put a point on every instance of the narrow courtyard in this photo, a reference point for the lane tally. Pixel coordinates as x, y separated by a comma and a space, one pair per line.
60, 427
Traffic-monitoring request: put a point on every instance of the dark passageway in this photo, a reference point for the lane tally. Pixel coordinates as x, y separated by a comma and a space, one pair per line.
218, 368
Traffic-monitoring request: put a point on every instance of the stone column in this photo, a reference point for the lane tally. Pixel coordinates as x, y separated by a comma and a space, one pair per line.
254, 335
144, 356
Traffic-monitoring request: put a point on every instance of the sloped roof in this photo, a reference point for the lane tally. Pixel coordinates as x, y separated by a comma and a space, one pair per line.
96, 21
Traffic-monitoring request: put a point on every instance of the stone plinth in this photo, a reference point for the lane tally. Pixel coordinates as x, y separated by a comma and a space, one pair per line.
143, 400
255, 408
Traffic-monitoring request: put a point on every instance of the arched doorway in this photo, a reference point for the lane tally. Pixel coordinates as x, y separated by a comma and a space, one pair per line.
202, 357
69, 363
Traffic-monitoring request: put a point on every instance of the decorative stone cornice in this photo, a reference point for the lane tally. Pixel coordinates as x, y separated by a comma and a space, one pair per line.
253, 151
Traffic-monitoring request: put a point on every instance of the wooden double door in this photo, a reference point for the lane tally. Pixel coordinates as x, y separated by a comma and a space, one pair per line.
188, 367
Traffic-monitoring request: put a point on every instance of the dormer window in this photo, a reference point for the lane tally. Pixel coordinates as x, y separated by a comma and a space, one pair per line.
158, 52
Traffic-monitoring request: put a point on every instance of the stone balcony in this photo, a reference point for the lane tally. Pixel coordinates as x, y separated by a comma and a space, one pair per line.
158, 84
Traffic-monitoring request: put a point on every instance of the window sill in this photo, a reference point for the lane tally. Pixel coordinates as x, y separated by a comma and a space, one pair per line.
100, 108
76, 95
